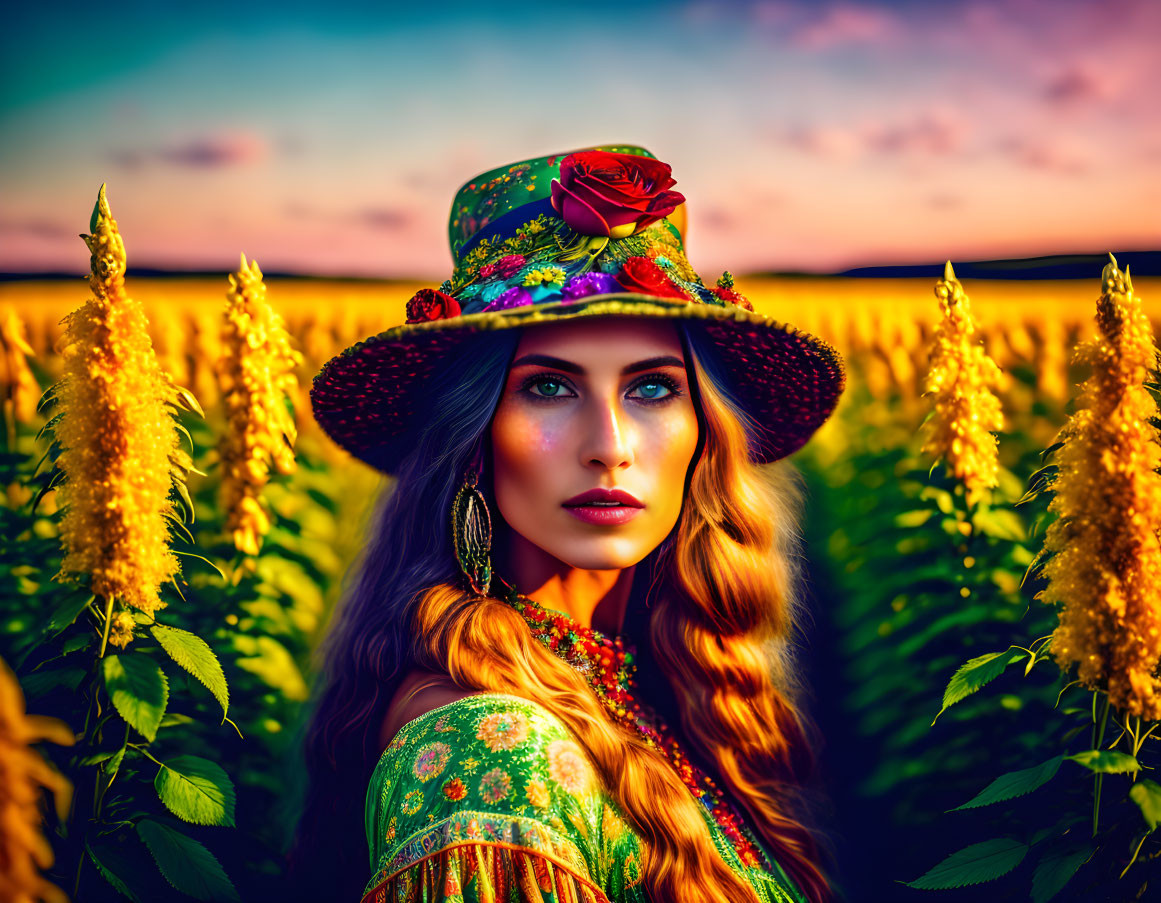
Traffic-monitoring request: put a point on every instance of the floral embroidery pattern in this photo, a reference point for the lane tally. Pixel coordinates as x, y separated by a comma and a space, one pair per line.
412, 802
567, 765
442, 726
455, 790
503, 730
495, 785
537, 794
432, 759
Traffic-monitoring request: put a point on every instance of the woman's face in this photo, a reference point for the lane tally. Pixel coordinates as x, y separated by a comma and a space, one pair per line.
597, 403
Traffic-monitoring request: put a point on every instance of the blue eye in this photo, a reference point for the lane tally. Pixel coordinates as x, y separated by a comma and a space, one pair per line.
655, 384
649, 394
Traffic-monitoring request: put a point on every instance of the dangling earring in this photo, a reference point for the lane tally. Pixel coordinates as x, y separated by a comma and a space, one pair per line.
471, 524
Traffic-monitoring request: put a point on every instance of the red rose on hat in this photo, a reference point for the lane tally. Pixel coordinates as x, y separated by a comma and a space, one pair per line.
641, 274
732, 297
429, 304
602, 193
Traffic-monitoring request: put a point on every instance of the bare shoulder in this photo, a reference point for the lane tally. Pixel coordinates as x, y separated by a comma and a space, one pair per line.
419, 692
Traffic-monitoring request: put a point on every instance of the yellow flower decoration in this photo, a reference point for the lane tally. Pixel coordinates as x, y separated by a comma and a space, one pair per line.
118, 436
961, 378
549, 275
256, 374
537, 793
1106, 570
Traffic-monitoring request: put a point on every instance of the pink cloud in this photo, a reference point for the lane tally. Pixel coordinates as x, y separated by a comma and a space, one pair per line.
846, 24
1079, 82
231, 148
934, 132
1058, 155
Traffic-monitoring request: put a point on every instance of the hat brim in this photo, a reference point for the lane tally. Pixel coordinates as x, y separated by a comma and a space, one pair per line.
368, 398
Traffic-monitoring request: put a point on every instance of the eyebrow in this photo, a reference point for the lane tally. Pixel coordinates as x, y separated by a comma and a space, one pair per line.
544, 360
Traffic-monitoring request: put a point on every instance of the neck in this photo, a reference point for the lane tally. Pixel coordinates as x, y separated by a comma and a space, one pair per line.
593, 598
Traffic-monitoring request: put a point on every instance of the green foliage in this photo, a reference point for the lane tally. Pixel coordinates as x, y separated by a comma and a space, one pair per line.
194, 654
976, 864
1015, 783
196, 790
1146, 794
186, 864
139, 690
972, 675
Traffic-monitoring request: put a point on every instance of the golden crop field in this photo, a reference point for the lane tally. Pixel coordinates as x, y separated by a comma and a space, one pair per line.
928, 581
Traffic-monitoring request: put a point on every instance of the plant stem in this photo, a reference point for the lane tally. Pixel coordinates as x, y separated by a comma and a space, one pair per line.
1098, 738
108, 624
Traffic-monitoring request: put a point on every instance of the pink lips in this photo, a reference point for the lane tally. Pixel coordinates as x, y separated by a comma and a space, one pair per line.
581, 507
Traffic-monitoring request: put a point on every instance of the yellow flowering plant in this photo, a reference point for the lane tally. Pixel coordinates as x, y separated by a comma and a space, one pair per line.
119, 467
1100, 564
256, 373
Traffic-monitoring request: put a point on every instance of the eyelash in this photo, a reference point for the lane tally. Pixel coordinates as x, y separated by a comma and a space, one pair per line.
657, 379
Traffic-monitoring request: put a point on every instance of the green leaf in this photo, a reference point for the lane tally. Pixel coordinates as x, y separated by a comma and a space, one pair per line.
196, 790
1014, 784
911, 519
1055, 870
193, 653
203, 558
973, 865
1147, 795
138, 689
1001, 524
186, 863
106, 863
112, 766
973, 674
1106, 761
38, 683
66, 613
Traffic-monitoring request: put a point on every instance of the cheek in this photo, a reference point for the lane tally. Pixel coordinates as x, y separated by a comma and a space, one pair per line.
673, 447
523, 447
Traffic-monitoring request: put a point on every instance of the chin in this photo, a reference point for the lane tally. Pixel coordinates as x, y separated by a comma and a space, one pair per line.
603, 554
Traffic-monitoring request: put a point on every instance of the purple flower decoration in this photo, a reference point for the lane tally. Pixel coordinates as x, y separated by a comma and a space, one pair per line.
590, 284
517, 296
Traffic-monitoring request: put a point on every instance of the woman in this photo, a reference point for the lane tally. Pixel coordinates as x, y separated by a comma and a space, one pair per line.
596, 701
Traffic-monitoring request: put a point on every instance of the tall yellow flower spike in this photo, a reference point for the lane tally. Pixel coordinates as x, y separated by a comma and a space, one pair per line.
18, 385
117, 434
961, 377
24, 851
256, 375
1106, 570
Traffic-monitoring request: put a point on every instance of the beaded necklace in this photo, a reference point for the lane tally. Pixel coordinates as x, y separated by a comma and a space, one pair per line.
608, 664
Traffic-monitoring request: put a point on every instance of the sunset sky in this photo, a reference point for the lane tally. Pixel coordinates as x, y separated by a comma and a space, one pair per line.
330, 138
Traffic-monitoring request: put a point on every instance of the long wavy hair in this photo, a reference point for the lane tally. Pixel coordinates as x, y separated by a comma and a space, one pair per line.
719, 605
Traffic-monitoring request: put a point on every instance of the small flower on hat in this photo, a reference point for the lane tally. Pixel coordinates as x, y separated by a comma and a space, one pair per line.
549, 274
590, 284
615, 195
503, 268
641, 274
429, 304
725, 290
517, 296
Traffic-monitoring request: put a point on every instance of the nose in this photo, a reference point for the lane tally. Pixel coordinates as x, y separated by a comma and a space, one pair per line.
608, 437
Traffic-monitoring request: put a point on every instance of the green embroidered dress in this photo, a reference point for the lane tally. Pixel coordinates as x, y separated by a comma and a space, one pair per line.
490, 798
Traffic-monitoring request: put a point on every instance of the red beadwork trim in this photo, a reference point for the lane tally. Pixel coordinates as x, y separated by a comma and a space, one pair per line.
608, 664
